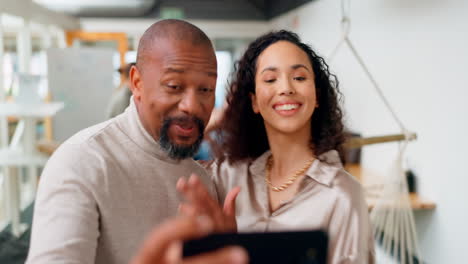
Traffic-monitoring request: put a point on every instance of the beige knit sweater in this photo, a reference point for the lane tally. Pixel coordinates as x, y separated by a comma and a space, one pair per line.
103, 191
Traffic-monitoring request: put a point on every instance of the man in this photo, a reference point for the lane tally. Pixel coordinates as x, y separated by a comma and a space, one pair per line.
121, 96
106, 187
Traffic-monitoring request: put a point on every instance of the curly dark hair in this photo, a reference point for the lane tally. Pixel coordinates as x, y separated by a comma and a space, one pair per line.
243, 132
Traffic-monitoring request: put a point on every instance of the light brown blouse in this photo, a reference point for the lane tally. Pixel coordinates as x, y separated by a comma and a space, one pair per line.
328, 198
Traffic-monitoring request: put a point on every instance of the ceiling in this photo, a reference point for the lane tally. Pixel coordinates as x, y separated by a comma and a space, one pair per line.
261, 10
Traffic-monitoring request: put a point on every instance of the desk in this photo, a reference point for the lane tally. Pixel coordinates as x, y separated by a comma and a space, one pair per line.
22, 154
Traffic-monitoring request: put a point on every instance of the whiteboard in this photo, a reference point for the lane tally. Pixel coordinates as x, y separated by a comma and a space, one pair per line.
82, 79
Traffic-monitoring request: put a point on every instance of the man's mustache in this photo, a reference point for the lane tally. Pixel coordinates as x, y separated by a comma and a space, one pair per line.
185, 120
177, 151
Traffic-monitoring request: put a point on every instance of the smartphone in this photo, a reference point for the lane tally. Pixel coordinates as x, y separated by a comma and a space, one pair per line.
298, 247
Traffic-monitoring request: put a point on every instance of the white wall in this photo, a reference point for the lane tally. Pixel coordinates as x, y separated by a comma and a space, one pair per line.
34, 12
418, 51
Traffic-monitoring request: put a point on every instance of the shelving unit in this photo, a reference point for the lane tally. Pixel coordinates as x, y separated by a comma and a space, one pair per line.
25, 20
23, 154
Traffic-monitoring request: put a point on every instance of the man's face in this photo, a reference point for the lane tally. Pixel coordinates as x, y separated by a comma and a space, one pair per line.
174, 91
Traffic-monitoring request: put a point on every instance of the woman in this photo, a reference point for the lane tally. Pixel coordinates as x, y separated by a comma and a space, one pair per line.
282, 131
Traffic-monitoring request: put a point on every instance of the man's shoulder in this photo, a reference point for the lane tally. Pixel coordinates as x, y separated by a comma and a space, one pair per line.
80, 158
87, 144
196, 167
87, 135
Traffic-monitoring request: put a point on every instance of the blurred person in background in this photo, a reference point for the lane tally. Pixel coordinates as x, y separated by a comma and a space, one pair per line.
120, 98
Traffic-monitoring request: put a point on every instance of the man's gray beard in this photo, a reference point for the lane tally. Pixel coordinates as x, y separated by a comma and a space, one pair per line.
175, 151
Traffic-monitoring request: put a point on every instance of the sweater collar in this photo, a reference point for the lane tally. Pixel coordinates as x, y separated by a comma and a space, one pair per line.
130, 123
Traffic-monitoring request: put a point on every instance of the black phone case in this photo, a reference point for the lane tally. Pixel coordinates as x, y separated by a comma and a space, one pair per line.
303, 247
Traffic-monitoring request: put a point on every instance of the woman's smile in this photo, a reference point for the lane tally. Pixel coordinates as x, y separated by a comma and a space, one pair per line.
287, 108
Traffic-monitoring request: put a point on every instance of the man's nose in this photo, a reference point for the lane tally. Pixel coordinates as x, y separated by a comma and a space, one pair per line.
189, 103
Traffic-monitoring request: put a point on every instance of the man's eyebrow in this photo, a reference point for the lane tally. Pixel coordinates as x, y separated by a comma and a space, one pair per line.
181, 70
170, 70
271, 68
297, 66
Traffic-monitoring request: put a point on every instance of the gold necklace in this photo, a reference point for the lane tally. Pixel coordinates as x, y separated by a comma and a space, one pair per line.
290, 180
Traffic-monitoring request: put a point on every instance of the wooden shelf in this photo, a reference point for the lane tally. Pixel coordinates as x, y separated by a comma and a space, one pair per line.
417, 203
19, 110
367, 178
17, 157
47, 147
420, 203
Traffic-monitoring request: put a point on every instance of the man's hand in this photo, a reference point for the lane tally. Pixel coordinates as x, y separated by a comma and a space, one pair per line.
200, 202
164, 245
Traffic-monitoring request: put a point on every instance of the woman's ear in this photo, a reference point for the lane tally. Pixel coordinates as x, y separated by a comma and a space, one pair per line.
253, 98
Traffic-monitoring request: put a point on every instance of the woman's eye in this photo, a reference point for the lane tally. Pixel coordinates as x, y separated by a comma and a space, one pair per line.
270, 80
299, 78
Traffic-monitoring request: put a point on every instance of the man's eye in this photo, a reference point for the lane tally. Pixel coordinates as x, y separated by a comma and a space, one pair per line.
270, 80
299, 78
206, 90
173, 87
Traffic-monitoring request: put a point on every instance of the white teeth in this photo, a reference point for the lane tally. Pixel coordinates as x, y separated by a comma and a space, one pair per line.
286, 107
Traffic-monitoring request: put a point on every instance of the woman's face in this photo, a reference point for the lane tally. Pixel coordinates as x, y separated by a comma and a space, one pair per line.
284, 88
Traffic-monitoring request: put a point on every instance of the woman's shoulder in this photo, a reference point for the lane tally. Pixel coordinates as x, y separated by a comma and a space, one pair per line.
348, 192
226, 176
345, 185
225, 169
239, 168
347, 182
